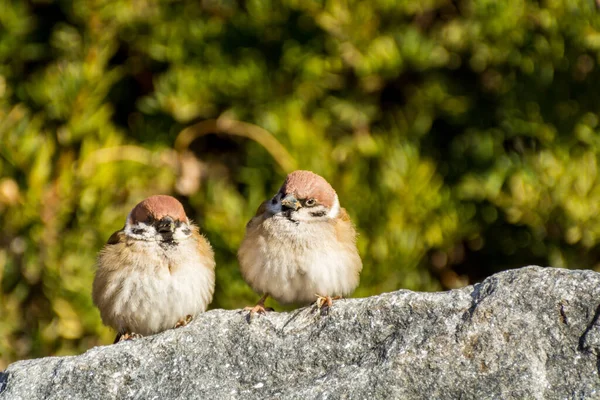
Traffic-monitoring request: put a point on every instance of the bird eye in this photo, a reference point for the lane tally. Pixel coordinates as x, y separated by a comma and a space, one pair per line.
310, 202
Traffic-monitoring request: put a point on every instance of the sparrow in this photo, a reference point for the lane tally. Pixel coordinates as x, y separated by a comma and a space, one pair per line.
154, 274
300, 244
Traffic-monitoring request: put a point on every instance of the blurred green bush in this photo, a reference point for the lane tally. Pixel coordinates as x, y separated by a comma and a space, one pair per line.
462, 136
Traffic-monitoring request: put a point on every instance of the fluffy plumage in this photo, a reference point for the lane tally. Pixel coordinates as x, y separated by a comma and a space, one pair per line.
155, 272
301, 243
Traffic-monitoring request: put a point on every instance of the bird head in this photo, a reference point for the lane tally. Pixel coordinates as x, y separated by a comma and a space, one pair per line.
305, 197
158, 218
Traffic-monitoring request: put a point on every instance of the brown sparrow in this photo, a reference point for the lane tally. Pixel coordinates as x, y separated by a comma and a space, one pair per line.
300, 244
154, 274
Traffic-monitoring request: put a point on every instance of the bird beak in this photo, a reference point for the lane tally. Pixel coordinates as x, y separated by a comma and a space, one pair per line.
290, 202
166, 225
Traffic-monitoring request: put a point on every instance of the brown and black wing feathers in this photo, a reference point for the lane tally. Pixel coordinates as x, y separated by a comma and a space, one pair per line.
115, 237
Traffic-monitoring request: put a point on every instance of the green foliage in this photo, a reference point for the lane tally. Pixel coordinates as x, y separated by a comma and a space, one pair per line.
462, 137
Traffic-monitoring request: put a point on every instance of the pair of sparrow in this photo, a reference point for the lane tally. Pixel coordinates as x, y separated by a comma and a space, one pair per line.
158, 273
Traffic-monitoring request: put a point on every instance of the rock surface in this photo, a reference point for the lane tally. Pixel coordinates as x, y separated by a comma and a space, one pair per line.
532, 333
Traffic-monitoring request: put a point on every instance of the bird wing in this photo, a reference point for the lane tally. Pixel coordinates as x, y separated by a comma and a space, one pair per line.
204, 248
344, 228
346, 234
343, 215
259, 216
262, 208
116, 237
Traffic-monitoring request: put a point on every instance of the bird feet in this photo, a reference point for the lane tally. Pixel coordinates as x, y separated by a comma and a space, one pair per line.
121, 337
259, 308
324, 303
183, 321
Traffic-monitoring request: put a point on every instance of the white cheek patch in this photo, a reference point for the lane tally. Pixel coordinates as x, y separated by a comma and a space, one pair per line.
180, 232
139, 230
335, 209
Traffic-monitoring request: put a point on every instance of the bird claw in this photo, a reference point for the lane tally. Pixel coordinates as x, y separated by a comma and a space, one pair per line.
258, 309
324, 303
127, 336
183, 321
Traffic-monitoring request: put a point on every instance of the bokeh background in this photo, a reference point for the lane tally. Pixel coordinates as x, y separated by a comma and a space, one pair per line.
462, 137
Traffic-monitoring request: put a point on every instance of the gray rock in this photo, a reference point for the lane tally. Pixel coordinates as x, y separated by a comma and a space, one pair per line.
531, 333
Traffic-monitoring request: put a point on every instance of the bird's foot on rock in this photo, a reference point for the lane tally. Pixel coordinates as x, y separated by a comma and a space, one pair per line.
183, 321
259, 308
324, 303
121, 337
